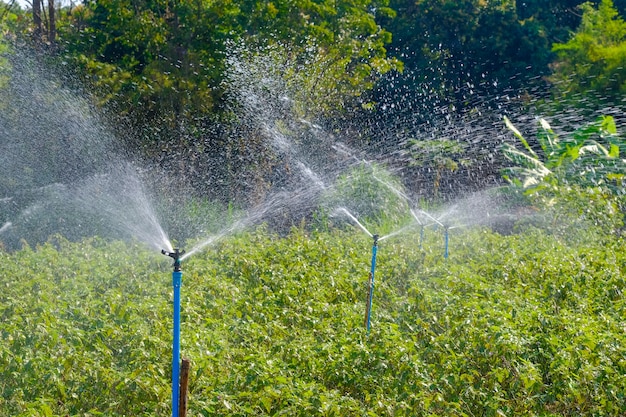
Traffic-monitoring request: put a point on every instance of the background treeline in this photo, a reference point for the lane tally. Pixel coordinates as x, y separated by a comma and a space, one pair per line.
168, 74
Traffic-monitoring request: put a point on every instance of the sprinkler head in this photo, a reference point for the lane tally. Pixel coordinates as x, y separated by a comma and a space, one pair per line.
375, 237
176, 256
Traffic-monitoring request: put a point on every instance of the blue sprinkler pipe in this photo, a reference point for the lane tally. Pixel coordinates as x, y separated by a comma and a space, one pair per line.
368, 311
177, 277
446, 239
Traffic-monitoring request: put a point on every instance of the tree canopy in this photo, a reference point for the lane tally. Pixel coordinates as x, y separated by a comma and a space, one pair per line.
593, 61
377, 61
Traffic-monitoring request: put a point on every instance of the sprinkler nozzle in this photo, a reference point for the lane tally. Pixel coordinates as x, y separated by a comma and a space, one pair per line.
375, 237
174, 255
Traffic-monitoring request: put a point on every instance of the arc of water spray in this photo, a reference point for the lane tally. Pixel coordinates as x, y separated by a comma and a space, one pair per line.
342, 149
5, 227
422, 227
392, 188
252, 217
207, 242
434, 219
354, 219
345, 211
408, 200
397, 232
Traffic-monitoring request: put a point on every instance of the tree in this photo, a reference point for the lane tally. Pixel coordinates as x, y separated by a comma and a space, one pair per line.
156, 46
456, 52
593, 62
161, 66
52, 27
441, 155
558, 18
37, 32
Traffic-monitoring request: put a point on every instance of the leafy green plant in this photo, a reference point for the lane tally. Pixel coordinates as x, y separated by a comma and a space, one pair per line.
588, 157
581, 176
508, 325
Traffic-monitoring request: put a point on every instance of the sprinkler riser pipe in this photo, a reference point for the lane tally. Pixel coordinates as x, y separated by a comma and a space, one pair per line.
177, 279
446, 240
371, 284
176, 284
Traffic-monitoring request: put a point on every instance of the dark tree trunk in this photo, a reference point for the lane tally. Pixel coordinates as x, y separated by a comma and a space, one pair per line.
37, 20
52, 27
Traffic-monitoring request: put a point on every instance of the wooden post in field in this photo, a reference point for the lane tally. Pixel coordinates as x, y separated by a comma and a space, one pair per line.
184, 379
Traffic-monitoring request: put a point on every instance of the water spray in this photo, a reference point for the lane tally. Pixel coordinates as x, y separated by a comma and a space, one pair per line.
421, 224
354, 219
437, 221
5, 227
368, 308
177, 276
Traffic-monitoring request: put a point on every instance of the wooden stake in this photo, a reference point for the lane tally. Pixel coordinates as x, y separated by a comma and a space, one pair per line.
184, 380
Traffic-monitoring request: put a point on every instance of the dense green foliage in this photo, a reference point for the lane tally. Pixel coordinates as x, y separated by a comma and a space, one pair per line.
385, 63
589, 157
451, 45
527, 324
581, 174
592, 61
169, 58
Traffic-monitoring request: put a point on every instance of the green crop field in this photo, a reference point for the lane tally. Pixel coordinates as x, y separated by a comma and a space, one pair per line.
525, 324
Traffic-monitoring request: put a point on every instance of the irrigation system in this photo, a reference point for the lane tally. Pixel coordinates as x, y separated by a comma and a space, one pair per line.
177, 277
438, 223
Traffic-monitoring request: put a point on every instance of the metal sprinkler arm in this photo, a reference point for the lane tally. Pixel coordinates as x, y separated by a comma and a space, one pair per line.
176, 255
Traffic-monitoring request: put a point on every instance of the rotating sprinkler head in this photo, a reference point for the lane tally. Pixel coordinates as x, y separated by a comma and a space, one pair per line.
176, 255
375, 237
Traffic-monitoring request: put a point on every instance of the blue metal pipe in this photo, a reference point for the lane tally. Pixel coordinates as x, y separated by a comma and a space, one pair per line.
176, 282
446, 239
371, 285
177, 278
421, 236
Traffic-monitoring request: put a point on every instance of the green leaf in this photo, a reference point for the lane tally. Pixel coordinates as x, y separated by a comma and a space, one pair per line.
518, 134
